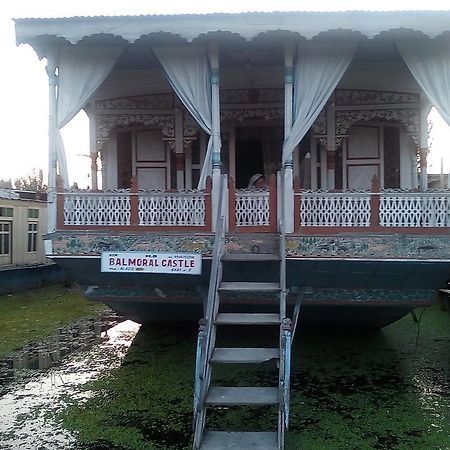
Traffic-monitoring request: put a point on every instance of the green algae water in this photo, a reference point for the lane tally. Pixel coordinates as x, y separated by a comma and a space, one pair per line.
364, 389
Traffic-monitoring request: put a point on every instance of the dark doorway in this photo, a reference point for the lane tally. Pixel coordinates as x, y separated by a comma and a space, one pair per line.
257, 150
249, 158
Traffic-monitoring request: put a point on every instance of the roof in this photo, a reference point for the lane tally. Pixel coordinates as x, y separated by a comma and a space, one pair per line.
189, 27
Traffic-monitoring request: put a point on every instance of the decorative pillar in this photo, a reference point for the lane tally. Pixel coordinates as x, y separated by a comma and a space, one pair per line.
287, 209
331, 144
94, 171
425, 107
213, 53
52, 156
423, 175
179, 150
93, 150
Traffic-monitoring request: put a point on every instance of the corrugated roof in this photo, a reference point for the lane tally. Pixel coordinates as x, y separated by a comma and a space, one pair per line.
307, 24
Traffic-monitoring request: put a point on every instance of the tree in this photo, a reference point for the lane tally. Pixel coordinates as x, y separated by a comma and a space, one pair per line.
32, 182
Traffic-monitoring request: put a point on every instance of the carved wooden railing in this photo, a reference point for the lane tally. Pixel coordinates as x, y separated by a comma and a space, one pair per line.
134, 209
253, 210
375, 211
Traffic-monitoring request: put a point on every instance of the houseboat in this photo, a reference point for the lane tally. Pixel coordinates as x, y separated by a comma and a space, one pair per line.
330, 107
251, 164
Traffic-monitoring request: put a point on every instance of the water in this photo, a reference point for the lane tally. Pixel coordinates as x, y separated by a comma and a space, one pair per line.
351, 390
27, 420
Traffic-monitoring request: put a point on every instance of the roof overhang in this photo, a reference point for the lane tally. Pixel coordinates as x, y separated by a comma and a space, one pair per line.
41, 32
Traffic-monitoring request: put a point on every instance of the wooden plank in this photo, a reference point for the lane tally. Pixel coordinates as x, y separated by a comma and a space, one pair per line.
252, 257
256, 396
223, 440
244, 355
246, 286
247, 319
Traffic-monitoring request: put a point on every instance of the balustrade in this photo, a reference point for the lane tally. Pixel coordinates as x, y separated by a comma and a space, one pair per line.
256, 210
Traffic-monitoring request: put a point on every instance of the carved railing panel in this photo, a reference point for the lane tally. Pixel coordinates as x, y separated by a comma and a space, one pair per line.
252, 208
332, 209
166, 209
406, 209
98, 209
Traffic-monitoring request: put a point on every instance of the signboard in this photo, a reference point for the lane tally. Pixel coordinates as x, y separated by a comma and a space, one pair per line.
152, 262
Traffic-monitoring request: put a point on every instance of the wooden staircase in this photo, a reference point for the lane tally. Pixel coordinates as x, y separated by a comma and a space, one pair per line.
207, 394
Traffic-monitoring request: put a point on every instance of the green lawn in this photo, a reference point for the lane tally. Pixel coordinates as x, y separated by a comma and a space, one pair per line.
35, 314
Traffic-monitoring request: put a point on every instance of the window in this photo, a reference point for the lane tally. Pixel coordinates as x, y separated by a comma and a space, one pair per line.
6, 212
32, 236
5, 238
33, 213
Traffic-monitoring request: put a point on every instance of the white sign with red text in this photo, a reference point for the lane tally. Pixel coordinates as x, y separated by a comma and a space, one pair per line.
152, 262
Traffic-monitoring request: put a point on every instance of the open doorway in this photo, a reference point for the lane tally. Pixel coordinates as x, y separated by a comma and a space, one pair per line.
257, 150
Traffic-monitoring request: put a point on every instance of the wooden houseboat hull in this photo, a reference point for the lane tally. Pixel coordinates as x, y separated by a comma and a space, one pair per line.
364, 293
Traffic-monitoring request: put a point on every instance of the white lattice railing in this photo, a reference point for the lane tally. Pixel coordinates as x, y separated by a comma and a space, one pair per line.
98, 209
335, 209
183, 209
252, 208
179, 209
414, 209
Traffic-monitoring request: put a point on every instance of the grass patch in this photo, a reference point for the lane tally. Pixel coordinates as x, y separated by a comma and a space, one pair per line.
350, 390
32, 315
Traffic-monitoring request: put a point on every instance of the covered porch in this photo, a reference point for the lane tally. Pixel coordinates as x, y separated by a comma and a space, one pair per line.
335, 119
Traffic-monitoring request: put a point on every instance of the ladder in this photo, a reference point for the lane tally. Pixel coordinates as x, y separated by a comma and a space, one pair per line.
206, 394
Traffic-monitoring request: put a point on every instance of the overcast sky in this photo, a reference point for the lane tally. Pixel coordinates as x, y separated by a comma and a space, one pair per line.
23, 114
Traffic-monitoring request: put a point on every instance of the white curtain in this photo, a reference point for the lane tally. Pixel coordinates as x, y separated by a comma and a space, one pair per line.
429, 62
187, 70
81, 70
318, 69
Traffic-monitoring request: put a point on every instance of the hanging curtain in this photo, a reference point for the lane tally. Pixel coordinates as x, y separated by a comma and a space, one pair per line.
429, 62
187, 70
81, 70
318, 69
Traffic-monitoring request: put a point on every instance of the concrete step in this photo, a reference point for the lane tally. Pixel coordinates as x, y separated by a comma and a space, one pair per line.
255, 396
244, 355
223, 440
247, 319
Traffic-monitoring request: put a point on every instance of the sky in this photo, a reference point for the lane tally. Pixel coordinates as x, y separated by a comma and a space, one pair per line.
24, 111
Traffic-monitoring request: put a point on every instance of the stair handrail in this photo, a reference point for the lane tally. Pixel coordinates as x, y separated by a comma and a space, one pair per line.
285, 325
204, 347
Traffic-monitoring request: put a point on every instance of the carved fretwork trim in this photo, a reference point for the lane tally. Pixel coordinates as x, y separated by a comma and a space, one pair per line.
152, 101
352, 97
190, 126
164, 122
408, 117
319, 126
239, 96
242, 114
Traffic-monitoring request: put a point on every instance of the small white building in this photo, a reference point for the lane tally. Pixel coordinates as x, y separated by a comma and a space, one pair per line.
23, 220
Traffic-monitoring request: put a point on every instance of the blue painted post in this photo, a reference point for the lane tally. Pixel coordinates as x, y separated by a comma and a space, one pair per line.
200, 355
286, 342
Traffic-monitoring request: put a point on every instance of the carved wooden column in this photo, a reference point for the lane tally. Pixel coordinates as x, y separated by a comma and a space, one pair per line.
331, 144
213, 53
94, 171
179, 151
425, 107
93, 150
423, 175
52, 157
287, 208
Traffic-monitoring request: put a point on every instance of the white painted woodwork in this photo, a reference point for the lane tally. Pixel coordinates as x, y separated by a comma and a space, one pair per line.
164, 209
332, 209
107, 209
404, 209
252, 208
